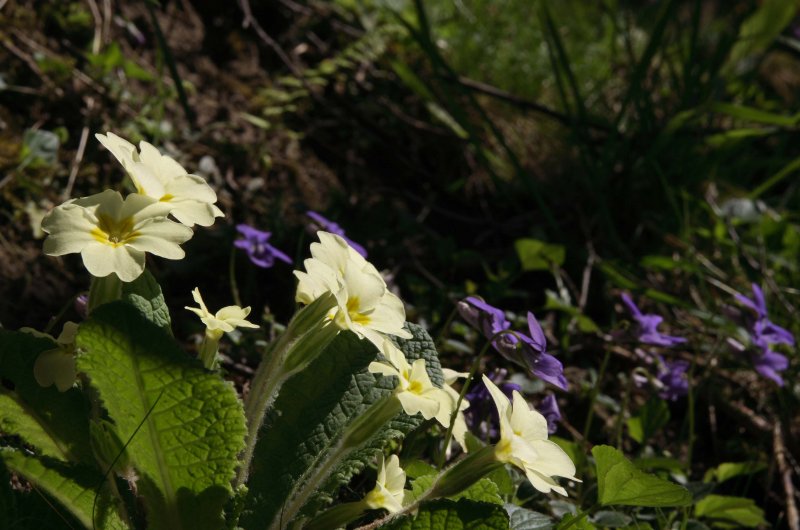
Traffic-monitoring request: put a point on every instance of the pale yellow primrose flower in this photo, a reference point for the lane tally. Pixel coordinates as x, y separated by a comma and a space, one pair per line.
57, 366
112, 234
523, 442
190, 198
225, 320
388, 492
414, 390
364, 303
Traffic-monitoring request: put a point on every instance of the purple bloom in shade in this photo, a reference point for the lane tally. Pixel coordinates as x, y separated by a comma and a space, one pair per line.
548, 408
526, 351
766, 333
481, 416
82, 305
769, 363
334, 228
763, 334
260, 252
648, 324
757, 304
537, 361
484, 317
673, 378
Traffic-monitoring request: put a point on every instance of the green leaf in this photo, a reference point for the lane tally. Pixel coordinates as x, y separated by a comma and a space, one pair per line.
761, 28
520, 518
619, 482
73, 486
576, 521
617, 276
730, 512
753, 115
418, 468
444, 514
144, 293
185, 425
585, 324
54, 423
610, 519
652, 417
39, 148
729, 470
667, 263
538, 255
485, 490
301, 432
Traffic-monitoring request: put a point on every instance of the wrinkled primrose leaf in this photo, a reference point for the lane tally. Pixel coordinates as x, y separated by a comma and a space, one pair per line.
185, 425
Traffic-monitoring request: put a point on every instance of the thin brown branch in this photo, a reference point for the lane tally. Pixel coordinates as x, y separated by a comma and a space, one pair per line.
792, 517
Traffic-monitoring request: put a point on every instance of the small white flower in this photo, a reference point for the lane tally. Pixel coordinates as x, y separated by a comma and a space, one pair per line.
388, 492
112, 234
223, 321
57, 366
190, 198
523, 442
364, 303
414, 390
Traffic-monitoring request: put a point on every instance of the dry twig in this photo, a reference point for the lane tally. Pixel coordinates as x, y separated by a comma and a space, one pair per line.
792, 517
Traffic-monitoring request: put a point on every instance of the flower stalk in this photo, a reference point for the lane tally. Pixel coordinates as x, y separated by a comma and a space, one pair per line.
307, 335
103, 290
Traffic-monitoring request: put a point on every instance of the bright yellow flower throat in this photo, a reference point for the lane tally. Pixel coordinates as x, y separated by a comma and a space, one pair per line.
113, 232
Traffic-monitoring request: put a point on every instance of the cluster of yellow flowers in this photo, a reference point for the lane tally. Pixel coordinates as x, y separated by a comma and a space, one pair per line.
365, 306
112, 233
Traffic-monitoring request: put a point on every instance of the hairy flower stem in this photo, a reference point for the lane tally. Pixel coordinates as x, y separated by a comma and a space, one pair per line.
208, 351
104, 290
463, 474
357, 433
337, 517
307, 335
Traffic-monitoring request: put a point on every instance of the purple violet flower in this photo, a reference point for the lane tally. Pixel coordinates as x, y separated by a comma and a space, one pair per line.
527, 351
648, 324
769, 363
548, 408
763, 334
672, 375
260, 252
488, 319
481, 416
333, 228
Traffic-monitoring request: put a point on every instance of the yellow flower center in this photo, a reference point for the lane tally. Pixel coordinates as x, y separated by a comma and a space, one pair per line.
502, 451
114, 232
375, 498
415, 387
166, 198
353, 304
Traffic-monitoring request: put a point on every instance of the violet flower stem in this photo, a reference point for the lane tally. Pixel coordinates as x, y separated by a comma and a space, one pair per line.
445, 328
625, 402
690, 445
232, 278
475, 365
595, 391
590, 413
